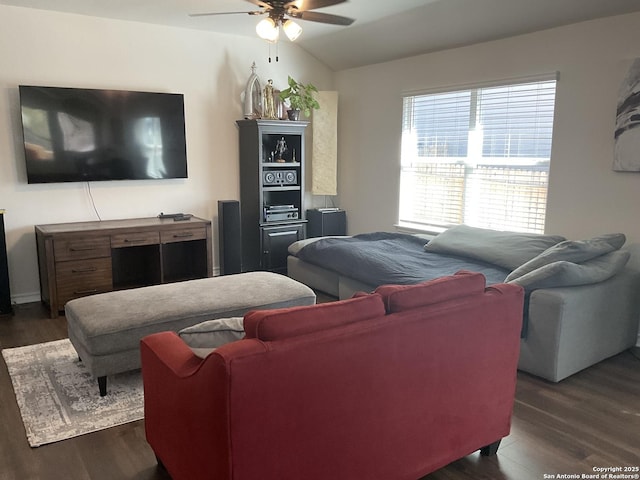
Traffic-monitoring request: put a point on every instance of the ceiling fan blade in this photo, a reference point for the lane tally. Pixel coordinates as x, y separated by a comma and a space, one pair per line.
323, 18
223, 13
304, 5
259, 3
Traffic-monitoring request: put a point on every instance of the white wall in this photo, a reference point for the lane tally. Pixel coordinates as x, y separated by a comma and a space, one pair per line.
585, 196
211, 70
36, 47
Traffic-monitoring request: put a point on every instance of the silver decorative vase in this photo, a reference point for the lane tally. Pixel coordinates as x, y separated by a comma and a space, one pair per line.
293, 115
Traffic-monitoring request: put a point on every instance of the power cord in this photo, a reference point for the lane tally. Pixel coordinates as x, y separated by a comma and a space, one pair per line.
93, 203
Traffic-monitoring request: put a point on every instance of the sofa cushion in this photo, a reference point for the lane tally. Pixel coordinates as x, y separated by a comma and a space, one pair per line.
283, 323
205, 337
405, 297
505, 249
575, 251
567, 274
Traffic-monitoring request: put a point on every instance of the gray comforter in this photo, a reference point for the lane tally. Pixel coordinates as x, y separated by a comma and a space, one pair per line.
390, 258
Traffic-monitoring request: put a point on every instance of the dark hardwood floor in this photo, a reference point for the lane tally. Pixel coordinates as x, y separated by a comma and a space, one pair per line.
589, 420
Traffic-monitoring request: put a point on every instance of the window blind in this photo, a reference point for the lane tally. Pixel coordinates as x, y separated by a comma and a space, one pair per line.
478, 156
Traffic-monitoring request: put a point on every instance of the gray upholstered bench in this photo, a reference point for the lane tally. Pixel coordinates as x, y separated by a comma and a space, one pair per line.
106, 329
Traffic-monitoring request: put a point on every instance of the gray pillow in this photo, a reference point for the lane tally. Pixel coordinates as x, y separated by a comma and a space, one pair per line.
568, 274
616, 240
575, 251
205, 337
506, 249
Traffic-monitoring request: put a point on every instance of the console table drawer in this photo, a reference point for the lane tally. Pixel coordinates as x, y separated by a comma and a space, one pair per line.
85, 277
134, 239
77, 249
183, 235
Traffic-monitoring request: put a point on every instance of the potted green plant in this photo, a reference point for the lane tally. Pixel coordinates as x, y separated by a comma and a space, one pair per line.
300, 98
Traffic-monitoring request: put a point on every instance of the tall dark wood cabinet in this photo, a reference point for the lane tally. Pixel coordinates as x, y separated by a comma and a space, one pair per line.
5, 291
271, 191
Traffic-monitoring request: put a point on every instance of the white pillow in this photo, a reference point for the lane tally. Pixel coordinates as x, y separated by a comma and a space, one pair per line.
205, 337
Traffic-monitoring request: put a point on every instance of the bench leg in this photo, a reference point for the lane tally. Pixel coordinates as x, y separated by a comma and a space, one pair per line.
490, 449
102, 385
160, 464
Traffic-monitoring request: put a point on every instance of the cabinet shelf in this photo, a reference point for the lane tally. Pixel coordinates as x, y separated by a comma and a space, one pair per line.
282, 222
281, 164
281, 189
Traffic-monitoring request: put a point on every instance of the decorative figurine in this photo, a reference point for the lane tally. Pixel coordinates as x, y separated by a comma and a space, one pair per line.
269, 110
253, 96
281, 147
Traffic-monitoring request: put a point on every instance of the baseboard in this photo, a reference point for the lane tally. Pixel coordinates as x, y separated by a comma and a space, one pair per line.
20, 298
31, 297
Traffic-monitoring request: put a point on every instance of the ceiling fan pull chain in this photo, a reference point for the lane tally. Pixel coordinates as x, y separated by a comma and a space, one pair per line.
276, 44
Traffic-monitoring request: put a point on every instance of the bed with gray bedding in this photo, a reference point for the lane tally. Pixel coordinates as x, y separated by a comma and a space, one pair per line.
582, 295
392, 258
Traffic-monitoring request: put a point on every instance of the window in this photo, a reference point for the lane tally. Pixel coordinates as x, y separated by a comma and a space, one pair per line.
478, 156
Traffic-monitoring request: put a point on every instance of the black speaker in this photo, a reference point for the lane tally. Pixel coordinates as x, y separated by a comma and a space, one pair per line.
279, 177
323, 222
5, 292
230, 235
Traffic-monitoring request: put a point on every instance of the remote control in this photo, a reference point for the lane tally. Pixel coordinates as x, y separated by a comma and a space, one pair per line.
170, 215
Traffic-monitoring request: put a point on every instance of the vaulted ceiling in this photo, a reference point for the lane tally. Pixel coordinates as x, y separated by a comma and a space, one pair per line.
384, 29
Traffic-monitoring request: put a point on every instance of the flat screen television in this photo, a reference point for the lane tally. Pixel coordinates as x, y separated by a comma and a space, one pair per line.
80, 135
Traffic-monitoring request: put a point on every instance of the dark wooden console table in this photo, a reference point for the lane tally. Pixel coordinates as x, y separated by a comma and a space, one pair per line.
79, 259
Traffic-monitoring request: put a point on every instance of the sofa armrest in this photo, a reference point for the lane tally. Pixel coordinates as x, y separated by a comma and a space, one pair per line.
571, 328
170, 350
186, 398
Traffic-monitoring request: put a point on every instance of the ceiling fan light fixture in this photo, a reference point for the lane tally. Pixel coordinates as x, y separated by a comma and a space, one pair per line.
268, 30
291, 29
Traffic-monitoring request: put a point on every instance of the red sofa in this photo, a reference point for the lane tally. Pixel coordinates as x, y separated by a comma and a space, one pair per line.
389, 385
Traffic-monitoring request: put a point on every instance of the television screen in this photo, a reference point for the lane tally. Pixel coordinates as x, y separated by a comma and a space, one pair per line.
78, 135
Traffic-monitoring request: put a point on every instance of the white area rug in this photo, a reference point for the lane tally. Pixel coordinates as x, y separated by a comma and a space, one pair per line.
58, 397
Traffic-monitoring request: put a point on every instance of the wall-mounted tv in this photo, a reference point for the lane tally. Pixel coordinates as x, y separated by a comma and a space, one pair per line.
79, 135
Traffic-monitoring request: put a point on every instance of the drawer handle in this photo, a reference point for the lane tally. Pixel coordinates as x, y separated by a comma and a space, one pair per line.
81, 249
83, 270
182, 235
84, 292
133, 240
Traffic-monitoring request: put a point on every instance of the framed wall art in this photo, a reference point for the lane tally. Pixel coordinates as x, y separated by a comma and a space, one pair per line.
627, 133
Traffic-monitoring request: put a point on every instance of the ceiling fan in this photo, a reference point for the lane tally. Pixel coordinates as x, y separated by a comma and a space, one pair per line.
280, 13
